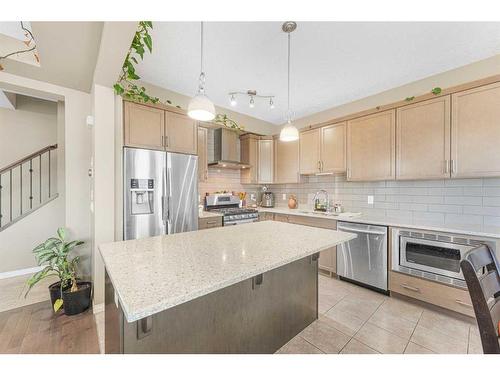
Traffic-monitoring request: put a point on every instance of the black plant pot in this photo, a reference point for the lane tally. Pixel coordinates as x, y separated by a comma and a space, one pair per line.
79, 301
55, 292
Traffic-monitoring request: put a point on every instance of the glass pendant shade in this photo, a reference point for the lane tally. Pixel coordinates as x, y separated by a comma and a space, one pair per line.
289, 133
201, 108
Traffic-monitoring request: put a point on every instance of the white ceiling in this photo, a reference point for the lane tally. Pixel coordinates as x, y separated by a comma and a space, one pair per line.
332, 63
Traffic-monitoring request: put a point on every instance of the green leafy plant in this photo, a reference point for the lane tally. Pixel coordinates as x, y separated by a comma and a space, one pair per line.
125, 85
53, 253
224, 120
409, 98
436, 90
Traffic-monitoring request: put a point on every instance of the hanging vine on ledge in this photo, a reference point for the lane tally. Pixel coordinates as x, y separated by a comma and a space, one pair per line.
223, 119
125, 85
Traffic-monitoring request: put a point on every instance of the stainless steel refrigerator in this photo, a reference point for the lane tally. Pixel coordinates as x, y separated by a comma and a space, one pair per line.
160, 193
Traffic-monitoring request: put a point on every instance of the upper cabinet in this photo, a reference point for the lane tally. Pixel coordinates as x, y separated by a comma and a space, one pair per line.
333, 148
202, 154
309, 154
144, 126
423, 140
181, 135
265, 171
151, 127
371, 147
286, 162
322, 150
475, 132
249, 154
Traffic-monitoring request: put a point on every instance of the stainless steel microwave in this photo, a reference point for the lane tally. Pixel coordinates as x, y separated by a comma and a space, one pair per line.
433, 255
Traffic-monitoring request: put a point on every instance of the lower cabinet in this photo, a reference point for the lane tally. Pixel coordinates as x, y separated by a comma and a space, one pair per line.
435, 293
266, 216
328, 258
209, 222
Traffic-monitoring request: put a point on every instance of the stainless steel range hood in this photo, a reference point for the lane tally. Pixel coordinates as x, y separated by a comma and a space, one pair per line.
226, 150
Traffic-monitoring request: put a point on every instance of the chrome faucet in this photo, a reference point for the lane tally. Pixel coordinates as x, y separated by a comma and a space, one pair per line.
317, 203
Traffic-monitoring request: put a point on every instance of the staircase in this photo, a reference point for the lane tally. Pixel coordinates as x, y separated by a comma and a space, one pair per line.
27, 184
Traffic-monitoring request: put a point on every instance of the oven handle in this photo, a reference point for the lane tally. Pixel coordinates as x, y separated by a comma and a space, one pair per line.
237, 222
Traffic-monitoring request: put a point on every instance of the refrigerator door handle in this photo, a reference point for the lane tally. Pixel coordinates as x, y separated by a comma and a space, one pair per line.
164, 198
168, 195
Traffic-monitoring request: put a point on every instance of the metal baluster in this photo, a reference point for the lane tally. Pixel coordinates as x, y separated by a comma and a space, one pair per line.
49, 173
10, 194
21, 188
40, 173
31, 184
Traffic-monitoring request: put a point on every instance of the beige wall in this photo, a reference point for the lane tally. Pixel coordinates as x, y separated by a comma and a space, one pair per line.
467, 73
251, 124
27, 129
74, 156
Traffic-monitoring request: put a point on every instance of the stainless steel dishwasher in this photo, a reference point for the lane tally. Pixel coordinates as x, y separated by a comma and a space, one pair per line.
363, 260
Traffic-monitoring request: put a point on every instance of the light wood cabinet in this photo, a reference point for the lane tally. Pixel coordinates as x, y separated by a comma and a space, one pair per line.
423, 140
265, 163
309, 151
209, 222
371, 147
286, 162
333, 148
202, 154
435, 293
249, 151
181, 134
144, 126
475, 132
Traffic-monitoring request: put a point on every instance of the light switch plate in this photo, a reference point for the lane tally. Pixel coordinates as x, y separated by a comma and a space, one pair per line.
370, 199
284, 197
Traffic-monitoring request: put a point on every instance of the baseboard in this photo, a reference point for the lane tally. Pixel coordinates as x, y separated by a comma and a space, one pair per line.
25, 271
98, 308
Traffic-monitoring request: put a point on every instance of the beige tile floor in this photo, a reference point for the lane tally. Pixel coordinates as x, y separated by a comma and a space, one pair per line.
356, 320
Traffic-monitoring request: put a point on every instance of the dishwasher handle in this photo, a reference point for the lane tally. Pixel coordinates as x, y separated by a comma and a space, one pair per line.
361, 231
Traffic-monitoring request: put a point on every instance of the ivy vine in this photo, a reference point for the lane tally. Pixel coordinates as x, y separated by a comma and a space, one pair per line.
224, 120
125, 85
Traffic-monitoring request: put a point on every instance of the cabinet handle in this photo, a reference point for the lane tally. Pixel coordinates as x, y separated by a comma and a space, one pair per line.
319, 165
412, 288
463, 303
167, 141
453, 166
211, 222
446, 166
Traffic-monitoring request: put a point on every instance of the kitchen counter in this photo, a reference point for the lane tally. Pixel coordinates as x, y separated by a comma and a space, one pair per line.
153, 274
472, 230
207, 214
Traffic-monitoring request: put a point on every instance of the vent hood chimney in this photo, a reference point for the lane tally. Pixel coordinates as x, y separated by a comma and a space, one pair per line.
226, 150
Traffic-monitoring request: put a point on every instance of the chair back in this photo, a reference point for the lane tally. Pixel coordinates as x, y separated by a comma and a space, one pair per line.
481, 272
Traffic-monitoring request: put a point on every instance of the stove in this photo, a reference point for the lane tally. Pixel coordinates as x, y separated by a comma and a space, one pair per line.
228, 206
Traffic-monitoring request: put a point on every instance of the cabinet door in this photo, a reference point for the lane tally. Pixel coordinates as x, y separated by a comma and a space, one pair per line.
333, 142
309, 159
181, 133
144, 126
249, 151
371, 147
475, 132
265, 170
286, 155
423, 140
202, 154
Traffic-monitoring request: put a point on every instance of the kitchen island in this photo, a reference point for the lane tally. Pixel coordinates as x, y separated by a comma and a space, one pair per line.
239, 289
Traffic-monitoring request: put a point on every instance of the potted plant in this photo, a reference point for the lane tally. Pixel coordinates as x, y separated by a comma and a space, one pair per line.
69, 292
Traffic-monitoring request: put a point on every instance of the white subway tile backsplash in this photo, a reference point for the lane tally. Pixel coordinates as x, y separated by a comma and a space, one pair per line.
463, 200
491, 201
492, 191
446, 208
463, 219
435, 217
482, 210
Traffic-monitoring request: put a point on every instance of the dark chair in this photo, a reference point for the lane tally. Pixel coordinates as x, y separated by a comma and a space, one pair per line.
484, 290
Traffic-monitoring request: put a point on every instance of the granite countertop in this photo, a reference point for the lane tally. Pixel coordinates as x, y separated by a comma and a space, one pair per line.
471, 230
153, 274
206, 214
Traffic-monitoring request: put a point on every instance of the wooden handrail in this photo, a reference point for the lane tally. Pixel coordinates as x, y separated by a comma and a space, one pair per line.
28, 158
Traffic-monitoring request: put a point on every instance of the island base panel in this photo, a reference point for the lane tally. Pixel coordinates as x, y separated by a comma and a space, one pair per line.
258, 315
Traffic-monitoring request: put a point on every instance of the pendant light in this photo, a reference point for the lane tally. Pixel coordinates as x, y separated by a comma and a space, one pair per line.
201, 107
289, 132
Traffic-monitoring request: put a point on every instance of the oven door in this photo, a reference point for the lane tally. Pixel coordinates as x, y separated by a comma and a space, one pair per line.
240, 221
441, 258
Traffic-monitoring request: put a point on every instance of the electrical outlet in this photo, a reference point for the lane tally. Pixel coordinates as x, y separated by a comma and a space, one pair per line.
370, 199
284, 197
